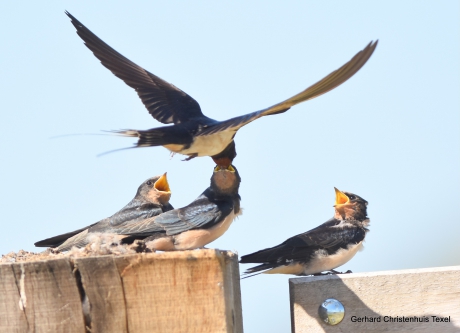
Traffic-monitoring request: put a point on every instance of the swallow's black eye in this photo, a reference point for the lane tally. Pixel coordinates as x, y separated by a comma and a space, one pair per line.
351, 197
149, 182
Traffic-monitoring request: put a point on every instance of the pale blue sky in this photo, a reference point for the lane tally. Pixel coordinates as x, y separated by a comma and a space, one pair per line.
390, 134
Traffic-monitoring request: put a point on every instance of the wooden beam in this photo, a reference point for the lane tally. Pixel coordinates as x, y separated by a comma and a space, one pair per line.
422, 293
184, 291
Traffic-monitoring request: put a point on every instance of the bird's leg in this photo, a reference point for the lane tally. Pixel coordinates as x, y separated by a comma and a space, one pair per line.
190, 157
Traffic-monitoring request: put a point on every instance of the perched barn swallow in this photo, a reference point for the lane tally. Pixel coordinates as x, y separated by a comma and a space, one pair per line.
323, 248
201, 222
193, 134
152, 199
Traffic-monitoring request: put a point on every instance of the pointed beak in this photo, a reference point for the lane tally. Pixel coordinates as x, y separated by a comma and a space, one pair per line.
340, 197
162, 184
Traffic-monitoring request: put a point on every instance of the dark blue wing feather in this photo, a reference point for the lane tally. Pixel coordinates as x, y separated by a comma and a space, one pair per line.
201, 213
165, 102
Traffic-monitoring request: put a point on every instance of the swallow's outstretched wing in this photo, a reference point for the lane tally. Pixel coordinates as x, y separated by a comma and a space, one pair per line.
165, 102
328, 83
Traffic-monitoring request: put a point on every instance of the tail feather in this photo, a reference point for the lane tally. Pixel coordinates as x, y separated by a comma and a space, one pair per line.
79, 240
59, 239
160, 136
263, 256
256, 270
266, 258
149, 138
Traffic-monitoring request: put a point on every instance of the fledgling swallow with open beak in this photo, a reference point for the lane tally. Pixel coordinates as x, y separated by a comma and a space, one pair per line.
201, 222
152, 199
321, 249
192, 133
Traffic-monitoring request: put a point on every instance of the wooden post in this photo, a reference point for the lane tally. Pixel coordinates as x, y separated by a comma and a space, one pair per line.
186, 291
423, 293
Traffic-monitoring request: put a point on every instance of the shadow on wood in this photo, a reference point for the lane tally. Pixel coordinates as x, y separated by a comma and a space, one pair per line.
186, 291
422, 293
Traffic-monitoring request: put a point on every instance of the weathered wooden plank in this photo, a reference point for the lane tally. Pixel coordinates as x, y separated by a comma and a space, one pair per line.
49, 296
232, 295
180, 292
102, 285
185, 291
12, 315
421, 292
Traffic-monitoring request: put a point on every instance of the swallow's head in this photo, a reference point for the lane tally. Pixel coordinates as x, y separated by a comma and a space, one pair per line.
225, 180
155, 190
349, 206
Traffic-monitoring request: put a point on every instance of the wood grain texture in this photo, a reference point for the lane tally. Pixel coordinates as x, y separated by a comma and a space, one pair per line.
12, 314
104, 290
181, 291
419, 292
232, 292
48, 297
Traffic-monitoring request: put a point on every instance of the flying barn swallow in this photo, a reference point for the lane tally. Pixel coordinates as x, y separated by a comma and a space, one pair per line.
192, 133
323, 248
152, 199
201, 222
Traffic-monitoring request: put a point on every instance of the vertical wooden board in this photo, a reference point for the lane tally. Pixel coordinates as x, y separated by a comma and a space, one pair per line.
174, 291
102, 285
51, 297
420, 293
232, 293
12, 315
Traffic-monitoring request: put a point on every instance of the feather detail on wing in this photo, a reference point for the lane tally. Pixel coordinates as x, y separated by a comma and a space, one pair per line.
330, 236
201, 213
59, 239
165, 102
328, 83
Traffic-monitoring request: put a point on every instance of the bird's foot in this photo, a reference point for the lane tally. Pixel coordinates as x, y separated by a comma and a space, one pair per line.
337, 272
332, 272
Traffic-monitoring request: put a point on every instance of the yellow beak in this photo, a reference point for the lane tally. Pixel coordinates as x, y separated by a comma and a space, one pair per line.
340, 197
162, 184
229, 168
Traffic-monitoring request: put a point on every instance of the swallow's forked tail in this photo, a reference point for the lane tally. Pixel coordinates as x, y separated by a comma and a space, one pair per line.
148, 138
256, 270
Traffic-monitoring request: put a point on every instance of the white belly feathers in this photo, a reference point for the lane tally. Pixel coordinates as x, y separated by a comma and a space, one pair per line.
323, 262
209, 145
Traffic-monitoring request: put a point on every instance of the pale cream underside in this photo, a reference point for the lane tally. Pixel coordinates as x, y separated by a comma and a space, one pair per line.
206, 145
193, 239
320, 263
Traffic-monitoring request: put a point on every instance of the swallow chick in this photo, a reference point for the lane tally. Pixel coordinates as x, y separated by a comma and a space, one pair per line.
323, 248
201, 222
151, 199
192, 133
